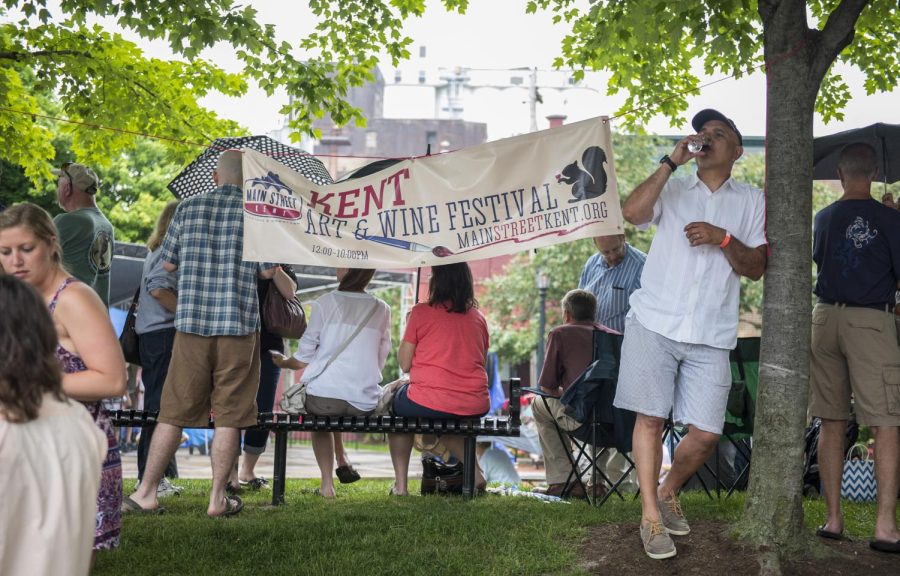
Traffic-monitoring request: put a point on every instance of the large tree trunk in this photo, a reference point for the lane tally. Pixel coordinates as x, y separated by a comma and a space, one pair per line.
797, 59
774, 513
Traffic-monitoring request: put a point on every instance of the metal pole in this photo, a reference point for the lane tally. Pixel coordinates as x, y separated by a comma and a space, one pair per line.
542, 325
532, 98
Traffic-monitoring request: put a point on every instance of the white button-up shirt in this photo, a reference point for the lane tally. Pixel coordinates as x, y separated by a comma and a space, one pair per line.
692, 294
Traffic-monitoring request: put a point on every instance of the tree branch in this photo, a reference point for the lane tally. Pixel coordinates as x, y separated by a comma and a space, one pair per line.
21, 56
836, 35
154, 96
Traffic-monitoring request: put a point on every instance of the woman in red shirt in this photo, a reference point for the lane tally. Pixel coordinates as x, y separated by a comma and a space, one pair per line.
444, 350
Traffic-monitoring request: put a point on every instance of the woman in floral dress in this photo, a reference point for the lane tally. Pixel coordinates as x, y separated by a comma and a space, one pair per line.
88, 350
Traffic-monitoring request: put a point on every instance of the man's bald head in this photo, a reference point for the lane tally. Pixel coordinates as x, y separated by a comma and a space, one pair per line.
611, 248
858, 162
229, 169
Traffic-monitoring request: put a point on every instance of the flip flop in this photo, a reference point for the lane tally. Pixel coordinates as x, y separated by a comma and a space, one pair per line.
885, 546
233, 489
393, 492
233, 505
129, 506
347, 474
821, 532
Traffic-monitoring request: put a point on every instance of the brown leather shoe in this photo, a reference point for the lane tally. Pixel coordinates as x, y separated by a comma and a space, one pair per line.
555, 490
575, 491
599, 490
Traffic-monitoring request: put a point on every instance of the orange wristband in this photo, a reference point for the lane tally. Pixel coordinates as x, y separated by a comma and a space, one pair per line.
726, 240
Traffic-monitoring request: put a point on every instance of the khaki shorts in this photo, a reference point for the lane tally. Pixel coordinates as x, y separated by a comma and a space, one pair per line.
215, 373
854, 350
321, 406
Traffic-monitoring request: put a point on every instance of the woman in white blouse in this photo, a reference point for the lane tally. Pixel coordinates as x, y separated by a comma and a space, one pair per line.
342, 354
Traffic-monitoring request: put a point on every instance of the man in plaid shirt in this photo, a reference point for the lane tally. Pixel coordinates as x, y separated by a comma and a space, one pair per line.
215, 358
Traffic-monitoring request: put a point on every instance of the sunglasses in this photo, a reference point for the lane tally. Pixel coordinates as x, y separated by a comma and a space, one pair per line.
63, 171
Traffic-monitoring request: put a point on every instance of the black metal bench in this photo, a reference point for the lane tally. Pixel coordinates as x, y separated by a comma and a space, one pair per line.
281, 424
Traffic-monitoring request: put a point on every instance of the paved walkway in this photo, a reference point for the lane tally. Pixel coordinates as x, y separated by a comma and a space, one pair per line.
302, 464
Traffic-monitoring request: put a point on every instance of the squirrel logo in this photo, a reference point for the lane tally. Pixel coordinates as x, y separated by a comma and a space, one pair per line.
588, 180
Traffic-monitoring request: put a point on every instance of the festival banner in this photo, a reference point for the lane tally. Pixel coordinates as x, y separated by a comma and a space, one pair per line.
502, 197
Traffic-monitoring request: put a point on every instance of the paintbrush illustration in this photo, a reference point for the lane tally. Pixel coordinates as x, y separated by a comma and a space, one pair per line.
439, 251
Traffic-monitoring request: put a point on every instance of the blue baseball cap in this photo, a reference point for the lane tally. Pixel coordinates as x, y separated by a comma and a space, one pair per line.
704, 116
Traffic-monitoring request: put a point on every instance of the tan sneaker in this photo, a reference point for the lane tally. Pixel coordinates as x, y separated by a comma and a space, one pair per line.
672, 517
657, 542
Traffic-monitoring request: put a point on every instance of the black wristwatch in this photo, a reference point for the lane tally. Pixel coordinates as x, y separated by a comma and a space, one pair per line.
666, 160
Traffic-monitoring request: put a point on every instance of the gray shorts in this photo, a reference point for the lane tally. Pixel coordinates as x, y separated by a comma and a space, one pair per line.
658, 375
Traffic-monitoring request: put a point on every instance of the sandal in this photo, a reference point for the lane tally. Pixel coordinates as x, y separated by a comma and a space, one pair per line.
258, 483
885, 546
233, 505
232, 489
347, 474
129, 506
393, 492
821, 532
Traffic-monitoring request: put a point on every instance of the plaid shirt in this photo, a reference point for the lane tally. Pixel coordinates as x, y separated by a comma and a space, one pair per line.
216, 288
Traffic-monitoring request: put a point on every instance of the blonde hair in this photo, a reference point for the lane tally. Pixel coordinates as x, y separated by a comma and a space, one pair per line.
38, 222
162, 225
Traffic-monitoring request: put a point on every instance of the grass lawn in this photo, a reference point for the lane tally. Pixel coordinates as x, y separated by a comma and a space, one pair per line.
366, 532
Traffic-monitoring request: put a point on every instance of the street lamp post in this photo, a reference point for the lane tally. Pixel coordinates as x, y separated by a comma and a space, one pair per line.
543, 283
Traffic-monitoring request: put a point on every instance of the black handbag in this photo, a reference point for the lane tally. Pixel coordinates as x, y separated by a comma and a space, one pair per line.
129, 339
441, 478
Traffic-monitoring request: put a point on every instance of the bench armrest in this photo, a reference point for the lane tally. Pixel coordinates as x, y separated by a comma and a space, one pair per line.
539, 392
515, 405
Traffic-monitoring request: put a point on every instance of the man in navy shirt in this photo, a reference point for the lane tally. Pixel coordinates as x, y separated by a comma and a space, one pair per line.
856, 247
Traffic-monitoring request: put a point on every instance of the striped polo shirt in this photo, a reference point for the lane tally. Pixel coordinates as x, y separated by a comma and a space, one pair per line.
613, 286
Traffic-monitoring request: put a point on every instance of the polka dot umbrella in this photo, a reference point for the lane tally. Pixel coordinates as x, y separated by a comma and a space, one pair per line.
196, 178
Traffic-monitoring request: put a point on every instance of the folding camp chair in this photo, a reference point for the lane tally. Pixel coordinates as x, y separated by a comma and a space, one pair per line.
741, 412
589, 400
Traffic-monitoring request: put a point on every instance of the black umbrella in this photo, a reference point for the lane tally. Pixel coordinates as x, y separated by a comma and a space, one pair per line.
196, 178
368, 169
125, 274
885, 138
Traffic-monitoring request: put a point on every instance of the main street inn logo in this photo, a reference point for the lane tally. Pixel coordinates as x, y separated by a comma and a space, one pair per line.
269, 196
